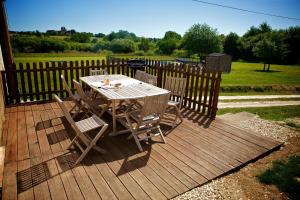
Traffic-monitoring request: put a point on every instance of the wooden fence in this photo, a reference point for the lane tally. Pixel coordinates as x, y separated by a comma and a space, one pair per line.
39, 81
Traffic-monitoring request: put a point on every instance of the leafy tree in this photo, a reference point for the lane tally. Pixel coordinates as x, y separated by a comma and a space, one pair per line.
121, 34
265, 28
292, 40
50, 44
266, 50
99, 35
101, 45
202, 39
167, 46
172, 35
144, 45
81, 37
122, 46
231, 45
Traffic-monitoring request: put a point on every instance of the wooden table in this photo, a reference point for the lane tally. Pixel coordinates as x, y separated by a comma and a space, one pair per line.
130, 89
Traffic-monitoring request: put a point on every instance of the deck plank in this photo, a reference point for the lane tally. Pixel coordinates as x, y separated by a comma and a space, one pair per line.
36, 139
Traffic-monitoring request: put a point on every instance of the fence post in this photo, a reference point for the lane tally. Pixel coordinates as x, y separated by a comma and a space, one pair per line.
5, 87
159, 67
216, 95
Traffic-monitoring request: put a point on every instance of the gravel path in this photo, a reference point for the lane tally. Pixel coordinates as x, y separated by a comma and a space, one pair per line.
231, 186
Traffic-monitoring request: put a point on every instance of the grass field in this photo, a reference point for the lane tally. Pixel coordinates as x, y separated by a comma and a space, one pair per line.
270, 113
250, 74
46, 57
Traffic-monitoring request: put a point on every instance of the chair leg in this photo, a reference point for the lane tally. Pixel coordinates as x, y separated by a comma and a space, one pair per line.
72, 142
137, 141
178, 114
161, 134
82, 155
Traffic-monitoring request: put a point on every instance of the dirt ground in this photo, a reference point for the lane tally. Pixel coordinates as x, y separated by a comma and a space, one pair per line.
243, 184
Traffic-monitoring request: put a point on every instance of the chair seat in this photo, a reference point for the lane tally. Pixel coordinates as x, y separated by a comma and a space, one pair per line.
89, 124
137, 114
76, 97
173, 103
98, 101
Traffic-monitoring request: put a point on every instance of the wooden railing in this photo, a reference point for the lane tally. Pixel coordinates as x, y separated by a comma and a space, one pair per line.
39, 81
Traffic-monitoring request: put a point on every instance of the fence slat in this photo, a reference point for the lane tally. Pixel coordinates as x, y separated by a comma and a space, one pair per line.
66, 75
201, 90
29, 81
41, 69
54, 75
36, 84
23, 82
197, 75
206, 78
211, 92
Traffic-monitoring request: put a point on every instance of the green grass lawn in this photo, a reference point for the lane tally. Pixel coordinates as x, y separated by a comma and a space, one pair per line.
279, 113
249, 74
46, 57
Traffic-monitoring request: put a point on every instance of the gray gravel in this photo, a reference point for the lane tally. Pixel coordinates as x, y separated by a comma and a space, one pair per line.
222, 188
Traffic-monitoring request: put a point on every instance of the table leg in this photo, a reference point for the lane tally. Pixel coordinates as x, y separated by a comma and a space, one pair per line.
114, 117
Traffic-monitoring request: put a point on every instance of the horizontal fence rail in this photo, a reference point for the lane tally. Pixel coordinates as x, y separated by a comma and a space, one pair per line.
39, 81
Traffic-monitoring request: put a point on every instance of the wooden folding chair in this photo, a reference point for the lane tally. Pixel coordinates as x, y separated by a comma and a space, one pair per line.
95, 72
144, 123
151, 79
97, 106
82, 140
140, 75
74, 97
177, 87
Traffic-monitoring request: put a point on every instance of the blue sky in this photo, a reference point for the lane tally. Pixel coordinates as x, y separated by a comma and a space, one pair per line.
149, 18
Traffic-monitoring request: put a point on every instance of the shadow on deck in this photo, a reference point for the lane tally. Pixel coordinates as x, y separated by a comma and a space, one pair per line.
38, 165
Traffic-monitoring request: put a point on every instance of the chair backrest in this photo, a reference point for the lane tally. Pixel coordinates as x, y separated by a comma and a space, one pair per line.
175, 85
94, 72
151, 79
80, 91
70, 120
139, 75
67, 86
155, 105
64, 109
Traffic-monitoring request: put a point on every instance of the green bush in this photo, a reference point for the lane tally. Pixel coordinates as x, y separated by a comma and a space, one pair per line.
81, 37
284, 175
100, 46
180, 53
140, 53
122, 46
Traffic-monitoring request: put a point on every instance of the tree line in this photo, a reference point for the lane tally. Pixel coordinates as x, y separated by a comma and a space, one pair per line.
260, 43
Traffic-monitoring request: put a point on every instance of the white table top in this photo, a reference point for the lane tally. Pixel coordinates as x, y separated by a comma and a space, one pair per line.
130, 88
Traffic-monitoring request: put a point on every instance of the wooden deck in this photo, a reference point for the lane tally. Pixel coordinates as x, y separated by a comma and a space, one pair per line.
37, 165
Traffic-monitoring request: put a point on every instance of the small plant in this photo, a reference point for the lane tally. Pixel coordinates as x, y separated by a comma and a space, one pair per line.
285, 175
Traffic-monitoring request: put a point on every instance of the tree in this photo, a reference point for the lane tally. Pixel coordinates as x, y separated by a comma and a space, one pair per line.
144, 44
81, 37
266, 50
169, 43
202, 39
265, 28
122, 46
292, 40
231, 45
167, 46
172, 35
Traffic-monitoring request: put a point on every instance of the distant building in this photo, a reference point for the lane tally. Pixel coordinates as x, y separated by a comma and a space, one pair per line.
62, 31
